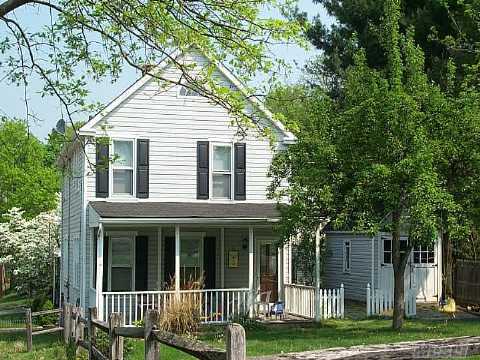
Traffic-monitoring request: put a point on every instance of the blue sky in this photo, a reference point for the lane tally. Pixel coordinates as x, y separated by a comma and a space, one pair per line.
12, 101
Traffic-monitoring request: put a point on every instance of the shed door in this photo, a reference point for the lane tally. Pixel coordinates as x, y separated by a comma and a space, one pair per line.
421, 271
425, 267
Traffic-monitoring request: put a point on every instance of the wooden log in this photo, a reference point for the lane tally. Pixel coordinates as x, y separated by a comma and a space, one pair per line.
46, 312
152, 348
28, 327
47, 331
92, 331
116, 342
13, 311
130, 332
102, 325
235, 342
67, 322
193, 347
12, 330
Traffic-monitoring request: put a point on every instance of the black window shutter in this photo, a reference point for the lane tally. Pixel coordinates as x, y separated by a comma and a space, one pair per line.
240, 179
169, 260
209, 257
141, 263
101, 173
142, 168
105, 263
202, 170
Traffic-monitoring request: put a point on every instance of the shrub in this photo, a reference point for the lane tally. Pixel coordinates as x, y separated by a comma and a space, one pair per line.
182, 315
41, 303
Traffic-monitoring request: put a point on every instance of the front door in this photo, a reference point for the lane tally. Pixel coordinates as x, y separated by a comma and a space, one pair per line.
268, 269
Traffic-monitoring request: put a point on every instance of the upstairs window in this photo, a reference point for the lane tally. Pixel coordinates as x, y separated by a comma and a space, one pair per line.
222, 172
123, 167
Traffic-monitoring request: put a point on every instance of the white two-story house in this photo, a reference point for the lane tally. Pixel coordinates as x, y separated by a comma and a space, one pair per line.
165, 193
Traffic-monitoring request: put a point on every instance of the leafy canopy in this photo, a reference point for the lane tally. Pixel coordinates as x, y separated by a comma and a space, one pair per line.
82, 41
28, 177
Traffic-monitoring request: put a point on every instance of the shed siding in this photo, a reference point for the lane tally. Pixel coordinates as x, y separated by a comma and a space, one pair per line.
355, 281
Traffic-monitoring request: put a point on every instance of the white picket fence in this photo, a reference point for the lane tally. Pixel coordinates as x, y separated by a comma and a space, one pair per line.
380, 301
300, 301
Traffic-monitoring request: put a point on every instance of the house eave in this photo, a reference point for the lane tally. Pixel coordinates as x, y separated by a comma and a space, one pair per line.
198, 221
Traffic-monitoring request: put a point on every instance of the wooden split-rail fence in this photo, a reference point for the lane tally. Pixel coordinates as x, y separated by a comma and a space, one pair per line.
29, 329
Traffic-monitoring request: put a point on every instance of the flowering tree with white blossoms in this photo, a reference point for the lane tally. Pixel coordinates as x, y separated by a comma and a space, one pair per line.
28, 248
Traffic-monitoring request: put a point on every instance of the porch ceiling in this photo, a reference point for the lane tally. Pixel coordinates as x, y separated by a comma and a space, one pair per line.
186, 210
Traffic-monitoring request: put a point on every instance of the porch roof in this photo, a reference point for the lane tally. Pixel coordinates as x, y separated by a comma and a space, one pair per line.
186, 210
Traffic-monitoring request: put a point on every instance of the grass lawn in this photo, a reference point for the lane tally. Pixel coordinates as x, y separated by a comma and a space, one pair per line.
262, 340
270, 340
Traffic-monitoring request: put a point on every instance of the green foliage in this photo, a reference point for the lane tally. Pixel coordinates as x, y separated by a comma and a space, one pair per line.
41, 303
28, 179
445, 30
102, 342
87, 41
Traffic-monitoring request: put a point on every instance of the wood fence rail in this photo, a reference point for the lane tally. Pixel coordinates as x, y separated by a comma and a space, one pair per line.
75, 324
29, 330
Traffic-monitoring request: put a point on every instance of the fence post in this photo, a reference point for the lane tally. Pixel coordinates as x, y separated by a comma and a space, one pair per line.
28, 328
92, 315
342, 302
116, 342
235, 342
152, 347
369, 300
67, 322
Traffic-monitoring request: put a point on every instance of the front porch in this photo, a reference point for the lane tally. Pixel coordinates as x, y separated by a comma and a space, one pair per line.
225, 270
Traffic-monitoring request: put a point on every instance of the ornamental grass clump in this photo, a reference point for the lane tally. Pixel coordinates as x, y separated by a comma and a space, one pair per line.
181, 314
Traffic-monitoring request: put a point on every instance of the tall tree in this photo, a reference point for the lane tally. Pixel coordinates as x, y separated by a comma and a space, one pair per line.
369, 162
445, 30
82, 40
28, 180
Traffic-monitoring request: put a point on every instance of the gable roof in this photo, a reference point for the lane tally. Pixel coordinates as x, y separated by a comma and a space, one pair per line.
88, 128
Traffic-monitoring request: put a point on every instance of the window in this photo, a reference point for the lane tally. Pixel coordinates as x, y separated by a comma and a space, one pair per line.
423, 255
184, 91
347, 256
123, 167
76, 265
191, 258
222, 171
121, 263
387, 249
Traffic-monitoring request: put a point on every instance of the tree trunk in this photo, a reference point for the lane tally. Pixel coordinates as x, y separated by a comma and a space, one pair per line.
447, 264
399, 261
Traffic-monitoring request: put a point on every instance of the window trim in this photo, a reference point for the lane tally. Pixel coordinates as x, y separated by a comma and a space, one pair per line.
345, 268
231, 172
133, 168
133, 238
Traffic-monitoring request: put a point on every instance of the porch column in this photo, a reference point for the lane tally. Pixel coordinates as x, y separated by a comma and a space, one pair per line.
177, 259
317, 275
251, 281
99, 275
281, 275
222, 258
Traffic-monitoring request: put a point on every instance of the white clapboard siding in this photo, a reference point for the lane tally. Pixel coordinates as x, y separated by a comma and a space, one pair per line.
174, 124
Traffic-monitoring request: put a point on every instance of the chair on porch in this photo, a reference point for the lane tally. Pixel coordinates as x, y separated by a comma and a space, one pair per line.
262, 305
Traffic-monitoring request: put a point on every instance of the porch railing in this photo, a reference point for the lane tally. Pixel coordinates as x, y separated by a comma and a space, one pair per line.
214, 306
300, 301
380, 301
